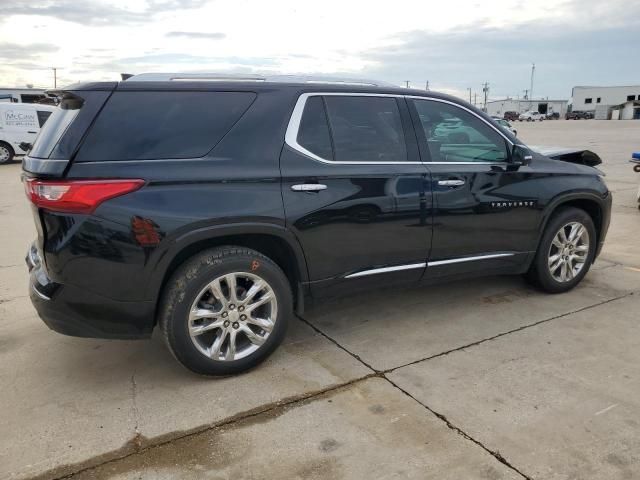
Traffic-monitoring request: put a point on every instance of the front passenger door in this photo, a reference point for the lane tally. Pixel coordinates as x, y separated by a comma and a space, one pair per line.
485, 209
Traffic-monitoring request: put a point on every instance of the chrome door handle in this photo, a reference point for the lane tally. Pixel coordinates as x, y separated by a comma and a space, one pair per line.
451, 183
308, 187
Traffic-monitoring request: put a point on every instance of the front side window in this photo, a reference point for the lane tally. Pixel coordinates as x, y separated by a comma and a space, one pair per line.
366, 129
455, 135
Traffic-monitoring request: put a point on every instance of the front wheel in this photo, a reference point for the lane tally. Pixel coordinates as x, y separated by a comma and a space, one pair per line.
225, 310
6, 153
566, 251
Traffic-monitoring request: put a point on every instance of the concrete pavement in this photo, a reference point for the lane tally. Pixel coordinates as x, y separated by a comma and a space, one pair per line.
478, 379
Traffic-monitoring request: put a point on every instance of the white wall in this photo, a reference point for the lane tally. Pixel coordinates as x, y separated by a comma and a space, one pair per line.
498, 107
608, 96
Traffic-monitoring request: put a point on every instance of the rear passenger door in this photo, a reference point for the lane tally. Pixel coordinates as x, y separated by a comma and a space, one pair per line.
355, 191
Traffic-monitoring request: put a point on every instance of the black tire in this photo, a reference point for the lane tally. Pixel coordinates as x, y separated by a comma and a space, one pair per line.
6, 152
539, 274
189, 280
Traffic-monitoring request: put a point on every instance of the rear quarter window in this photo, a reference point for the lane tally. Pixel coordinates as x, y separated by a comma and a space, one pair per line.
158, 125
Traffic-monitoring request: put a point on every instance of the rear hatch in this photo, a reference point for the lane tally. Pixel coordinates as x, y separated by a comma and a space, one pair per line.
57, 142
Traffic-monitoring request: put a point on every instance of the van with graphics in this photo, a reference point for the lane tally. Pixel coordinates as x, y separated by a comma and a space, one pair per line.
19, 126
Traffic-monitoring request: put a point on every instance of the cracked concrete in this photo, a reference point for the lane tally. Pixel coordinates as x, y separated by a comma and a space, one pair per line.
478, 379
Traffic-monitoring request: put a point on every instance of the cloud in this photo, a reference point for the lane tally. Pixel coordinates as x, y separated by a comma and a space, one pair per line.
196, 35
97, 13
10, 52
565, 55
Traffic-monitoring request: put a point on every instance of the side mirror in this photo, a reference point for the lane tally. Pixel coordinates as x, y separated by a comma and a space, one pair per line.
520, 156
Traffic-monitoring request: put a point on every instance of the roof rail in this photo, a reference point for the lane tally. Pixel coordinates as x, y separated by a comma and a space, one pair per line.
222, 77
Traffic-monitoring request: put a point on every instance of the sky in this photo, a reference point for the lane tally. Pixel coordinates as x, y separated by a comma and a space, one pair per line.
453, 44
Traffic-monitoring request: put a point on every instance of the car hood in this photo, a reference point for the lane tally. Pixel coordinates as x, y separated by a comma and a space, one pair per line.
580, 156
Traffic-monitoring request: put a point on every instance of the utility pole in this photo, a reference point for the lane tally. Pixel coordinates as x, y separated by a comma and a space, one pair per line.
427, 86
406, 83
475, 99
469, 94
55, 77
526, 94
533, 69
485, 90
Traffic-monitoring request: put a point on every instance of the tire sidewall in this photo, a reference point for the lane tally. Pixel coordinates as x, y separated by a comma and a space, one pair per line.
562, 218
11, 153
192, 281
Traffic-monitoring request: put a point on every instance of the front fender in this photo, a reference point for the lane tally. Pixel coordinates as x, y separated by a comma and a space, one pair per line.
601, 199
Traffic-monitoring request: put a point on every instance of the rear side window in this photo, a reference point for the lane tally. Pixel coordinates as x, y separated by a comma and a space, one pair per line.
366, 129
152, 125
42, 117
314, 130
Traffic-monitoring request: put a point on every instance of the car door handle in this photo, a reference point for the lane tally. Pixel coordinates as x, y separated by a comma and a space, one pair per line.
32, 132
451, 183
308, 187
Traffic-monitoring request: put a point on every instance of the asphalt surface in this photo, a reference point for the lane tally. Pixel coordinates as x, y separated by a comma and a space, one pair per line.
486, 379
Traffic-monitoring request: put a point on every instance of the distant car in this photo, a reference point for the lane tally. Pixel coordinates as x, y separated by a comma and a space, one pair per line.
511, 116
553, 116
506, 125
578, 115
19, 126
531, 116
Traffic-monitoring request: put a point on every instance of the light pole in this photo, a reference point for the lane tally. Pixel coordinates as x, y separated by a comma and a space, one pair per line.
485, 90
469, 94
533, 69
55, 77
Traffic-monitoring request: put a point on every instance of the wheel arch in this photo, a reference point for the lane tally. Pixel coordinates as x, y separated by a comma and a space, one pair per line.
277, 243
591, 203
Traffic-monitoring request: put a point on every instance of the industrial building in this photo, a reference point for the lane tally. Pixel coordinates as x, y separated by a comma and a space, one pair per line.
22, 95
608, 103
498, 107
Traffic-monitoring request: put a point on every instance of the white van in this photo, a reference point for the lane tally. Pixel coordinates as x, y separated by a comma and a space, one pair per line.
20, 124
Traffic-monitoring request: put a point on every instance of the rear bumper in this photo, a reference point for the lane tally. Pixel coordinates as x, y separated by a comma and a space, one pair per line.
77, 312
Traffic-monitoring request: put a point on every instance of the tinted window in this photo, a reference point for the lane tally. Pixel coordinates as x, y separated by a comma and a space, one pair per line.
588, 100
455, 135
314, 129
42, 117
366, 129
149, 125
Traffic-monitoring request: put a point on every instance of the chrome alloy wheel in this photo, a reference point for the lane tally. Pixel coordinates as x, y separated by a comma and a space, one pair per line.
568, 252
233, 316
5, 154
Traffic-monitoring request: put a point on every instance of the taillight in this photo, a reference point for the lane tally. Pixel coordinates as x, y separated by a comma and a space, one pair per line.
76, 196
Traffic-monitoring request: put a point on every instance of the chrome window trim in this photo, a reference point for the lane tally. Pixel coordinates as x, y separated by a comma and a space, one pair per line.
291, 135
437, 263
375, 271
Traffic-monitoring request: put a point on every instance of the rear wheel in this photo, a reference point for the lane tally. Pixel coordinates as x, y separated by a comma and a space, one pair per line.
566, 251
225, 310
6, 153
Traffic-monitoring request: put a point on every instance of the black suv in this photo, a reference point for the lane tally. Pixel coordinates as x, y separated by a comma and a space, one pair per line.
216, 209
578, 115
